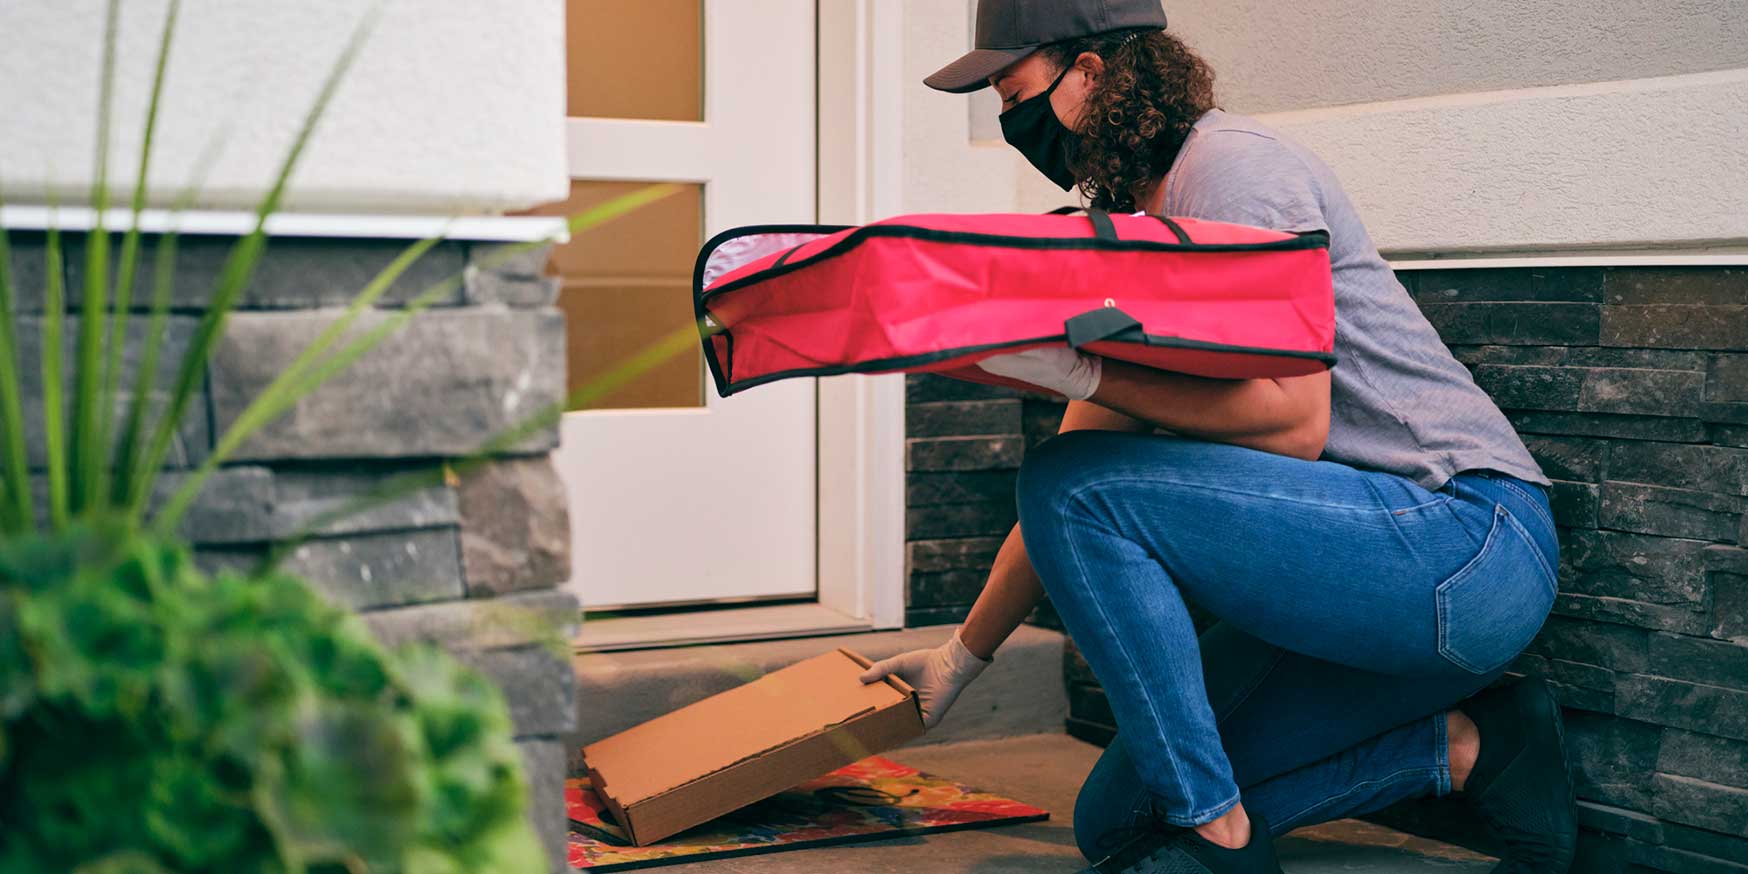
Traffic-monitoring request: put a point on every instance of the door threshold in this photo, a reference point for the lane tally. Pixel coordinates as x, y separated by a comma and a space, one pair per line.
767, 622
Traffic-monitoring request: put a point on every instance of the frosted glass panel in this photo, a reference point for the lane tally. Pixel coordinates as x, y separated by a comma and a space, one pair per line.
627, 284
641, 59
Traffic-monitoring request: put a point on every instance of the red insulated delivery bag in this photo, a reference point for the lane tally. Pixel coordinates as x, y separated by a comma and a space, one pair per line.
938, 293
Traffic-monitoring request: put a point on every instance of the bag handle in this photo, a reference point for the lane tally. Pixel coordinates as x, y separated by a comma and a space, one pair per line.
787, 253
1103, 227
1105, 230
1177, 230
1104, 323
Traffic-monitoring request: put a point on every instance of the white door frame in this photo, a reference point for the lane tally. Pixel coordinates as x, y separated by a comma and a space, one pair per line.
861, 418
860, 425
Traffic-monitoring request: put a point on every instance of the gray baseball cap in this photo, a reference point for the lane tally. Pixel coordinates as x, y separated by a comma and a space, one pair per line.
1008, 30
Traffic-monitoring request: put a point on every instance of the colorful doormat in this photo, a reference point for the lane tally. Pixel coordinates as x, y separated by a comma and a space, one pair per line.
870, 800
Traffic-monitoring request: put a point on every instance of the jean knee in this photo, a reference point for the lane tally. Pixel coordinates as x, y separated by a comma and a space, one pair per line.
1050, 471
1108, 802
1090, 830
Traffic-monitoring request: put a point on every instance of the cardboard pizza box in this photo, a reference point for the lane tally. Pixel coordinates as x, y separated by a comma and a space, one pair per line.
748, 743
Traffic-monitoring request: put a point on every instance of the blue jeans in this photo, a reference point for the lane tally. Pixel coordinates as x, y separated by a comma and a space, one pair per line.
1355, 609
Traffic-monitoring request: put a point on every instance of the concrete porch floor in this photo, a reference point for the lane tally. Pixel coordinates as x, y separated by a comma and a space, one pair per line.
1046, 770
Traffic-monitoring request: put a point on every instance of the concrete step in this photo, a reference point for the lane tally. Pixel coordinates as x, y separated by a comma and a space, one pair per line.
1046, 770
1021, 693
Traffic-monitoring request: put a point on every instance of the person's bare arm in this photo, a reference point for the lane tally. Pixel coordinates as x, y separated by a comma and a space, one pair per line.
1284, 416
1013, 588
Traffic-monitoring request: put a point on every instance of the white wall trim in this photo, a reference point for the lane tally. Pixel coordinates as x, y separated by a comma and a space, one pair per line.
506, 229
1648, 260
1506, 95
861, 418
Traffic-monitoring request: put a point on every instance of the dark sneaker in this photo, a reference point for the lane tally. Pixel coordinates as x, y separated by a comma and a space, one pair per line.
1168, 849
1521, 783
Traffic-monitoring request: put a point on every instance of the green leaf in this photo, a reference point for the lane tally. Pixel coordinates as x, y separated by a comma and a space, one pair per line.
123, 862
236, 724
289, 386
401, 485
131, 478
54, 409
404, 484
16, 514
349, 790
239, 267
88, 449
119, 490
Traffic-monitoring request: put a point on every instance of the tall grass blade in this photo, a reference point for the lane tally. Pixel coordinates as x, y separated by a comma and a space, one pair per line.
287, 387
128, 482
88, 449
54, 410
16, 516
631, 201
238, 269
126, 264
401, 485
314, 367
585, 220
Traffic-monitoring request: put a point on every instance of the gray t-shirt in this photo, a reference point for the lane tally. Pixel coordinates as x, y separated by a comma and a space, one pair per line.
1398, 401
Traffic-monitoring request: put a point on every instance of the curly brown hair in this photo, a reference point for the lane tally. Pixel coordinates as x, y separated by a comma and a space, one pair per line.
1139, 113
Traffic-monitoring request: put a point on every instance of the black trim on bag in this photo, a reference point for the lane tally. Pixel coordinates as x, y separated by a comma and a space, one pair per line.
1298, 241
701, 316
907, 361
720, 370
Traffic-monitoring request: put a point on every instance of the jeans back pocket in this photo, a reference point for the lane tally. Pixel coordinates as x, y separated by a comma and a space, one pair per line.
1492, 607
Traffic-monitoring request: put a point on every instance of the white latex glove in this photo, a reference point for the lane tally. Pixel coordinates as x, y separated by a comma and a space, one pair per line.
1057, 368
938, 675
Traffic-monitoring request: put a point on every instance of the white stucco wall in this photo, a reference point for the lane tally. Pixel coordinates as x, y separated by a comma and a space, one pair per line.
453, 107
1501, 126
945, 167
1494, 126
1652, 163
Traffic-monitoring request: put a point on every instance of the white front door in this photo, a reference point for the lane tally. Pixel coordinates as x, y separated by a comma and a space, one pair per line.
678, 496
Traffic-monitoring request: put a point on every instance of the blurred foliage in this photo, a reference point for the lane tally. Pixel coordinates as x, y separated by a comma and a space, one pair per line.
155, 719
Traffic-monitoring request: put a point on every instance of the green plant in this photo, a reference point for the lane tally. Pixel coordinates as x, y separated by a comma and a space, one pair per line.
233, 724
153, 719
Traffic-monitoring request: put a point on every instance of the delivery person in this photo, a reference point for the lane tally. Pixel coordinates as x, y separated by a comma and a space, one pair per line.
1375, 540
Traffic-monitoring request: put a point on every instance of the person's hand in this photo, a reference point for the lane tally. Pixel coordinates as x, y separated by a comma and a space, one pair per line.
938, 675
1057, 368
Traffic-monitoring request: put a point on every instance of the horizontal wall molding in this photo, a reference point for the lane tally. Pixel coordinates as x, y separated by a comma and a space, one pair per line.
1487, 98
1639, 165
1552, 261
503, 229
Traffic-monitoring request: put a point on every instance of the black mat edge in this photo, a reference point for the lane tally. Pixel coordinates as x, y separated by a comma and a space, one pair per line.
806, 845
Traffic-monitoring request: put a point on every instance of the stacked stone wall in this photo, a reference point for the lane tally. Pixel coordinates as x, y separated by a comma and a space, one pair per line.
1630, 386
472, 562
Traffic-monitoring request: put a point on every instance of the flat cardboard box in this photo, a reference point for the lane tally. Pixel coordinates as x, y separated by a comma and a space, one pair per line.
751, 742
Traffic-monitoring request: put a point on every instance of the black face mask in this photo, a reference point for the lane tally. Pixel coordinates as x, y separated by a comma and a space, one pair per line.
1033, 128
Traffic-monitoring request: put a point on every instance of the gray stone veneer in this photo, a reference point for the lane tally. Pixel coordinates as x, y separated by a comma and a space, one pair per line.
1630, 385
471, 563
